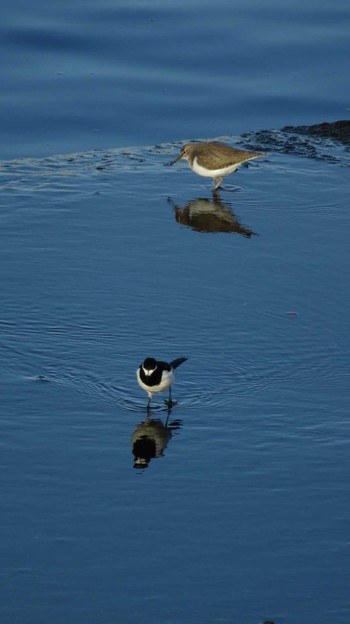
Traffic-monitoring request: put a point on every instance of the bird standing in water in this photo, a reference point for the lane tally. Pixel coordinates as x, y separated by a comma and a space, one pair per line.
212, 159
154, 376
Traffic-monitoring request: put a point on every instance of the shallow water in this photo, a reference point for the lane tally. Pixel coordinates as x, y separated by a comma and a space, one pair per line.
109, 255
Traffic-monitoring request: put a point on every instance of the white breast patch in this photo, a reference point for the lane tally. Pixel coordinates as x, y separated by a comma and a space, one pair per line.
212, 173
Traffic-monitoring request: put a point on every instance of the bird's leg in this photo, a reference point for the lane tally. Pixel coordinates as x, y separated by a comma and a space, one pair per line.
148, 406
217, 182
170, 401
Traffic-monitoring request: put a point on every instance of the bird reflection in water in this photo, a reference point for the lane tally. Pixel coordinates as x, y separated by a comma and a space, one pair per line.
209, 215
150, 438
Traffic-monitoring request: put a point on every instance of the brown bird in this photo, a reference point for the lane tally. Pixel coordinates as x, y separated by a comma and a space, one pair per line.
212, 159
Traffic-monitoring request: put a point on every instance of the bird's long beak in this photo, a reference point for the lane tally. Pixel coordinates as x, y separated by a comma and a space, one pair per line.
176, 159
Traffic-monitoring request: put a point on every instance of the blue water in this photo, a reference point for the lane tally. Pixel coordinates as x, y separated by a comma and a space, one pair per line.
107, 256
81, 75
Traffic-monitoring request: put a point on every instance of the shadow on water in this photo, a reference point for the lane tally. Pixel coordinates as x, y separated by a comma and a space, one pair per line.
150, 438
325, 141
337, 131
209, 215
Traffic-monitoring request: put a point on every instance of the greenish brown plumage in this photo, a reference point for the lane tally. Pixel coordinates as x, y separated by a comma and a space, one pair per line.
211, 159
215, 155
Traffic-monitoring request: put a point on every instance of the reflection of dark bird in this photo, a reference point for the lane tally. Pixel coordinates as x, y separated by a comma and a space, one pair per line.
154, 376
206, 215
149, 440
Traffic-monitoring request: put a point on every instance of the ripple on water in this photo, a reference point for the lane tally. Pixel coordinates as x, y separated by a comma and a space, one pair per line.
268, 351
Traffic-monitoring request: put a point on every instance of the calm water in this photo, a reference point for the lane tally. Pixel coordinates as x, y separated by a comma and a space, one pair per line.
81, 75
108, 255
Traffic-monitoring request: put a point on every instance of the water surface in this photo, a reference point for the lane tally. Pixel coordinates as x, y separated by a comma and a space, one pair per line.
107, 255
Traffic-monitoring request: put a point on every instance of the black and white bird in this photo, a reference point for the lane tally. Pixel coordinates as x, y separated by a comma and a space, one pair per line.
154, 376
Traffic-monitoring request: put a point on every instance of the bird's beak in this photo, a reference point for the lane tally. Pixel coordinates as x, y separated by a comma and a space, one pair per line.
176, 159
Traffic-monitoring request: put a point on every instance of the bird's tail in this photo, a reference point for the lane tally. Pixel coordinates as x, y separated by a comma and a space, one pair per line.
177, 362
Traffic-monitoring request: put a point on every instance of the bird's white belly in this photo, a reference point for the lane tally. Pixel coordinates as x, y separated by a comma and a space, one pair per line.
212, 173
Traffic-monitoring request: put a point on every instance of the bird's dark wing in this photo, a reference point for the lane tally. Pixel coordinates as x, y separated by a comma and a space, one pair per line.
223, 157
177, 362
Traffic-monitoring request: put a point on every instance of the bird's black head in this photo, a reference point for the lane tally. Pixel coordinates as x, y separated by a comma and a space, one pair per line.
150, 364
